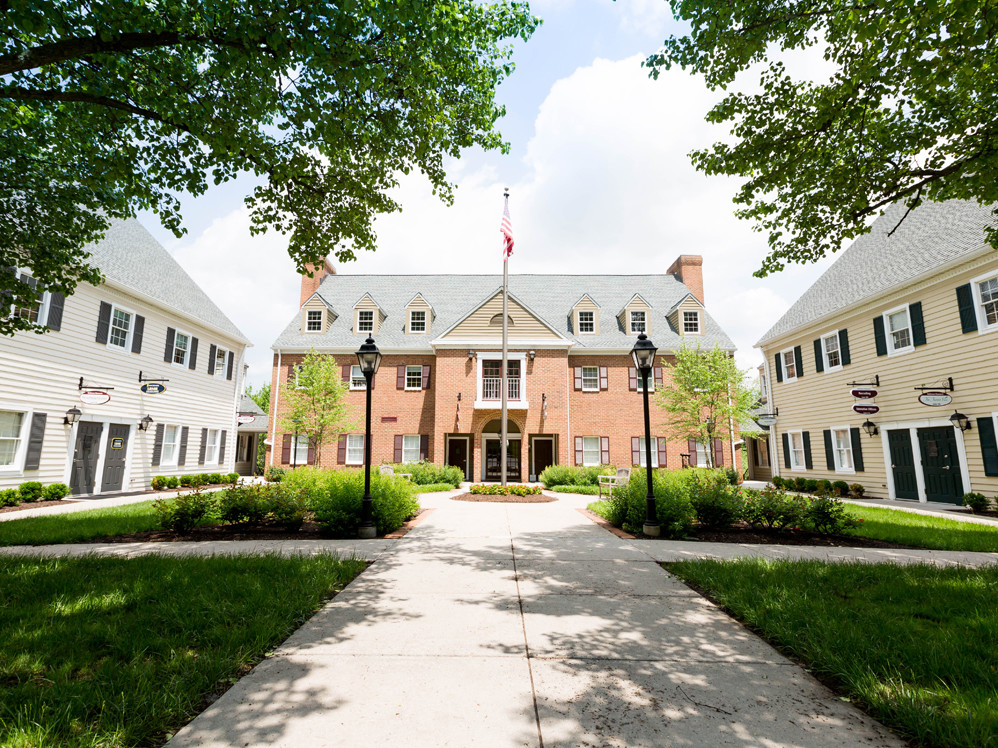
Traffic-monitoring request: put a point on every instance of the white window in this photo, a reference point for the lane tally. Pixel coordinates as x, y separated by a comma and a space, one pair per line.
357, 380
417, 320
181, 345
651, 380
763, 388
789, 365
842, 450
414, 377
797, 461
830, 350
704, 455
120, 333
691, 323
171, 445
654, 452
587, 322
220, 358
898, 331
590, 451
365, 320
313, 320
355, 449
300, 456
410, 448
11, 438
987, 303
211, 448
37, 312
590, 378
637, 322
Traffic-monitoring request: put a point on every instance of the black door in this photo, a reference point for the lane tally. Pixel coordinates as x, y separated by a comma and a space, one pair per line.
85, 457
902, 464
940, 464
114, 457
543, 452
457, 455
493, 460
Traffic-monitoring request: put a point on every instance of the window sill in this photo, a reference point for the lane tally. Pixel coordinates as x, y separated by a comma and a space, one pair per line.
497, 404
352, 388
798, 469
900, 351
413, 389
832, 369
984, 329
590, 389
845, 471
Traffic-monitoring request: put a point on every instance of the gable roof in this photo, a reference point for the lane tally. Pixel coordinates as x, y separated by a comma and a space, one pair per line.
930, 237
680, 303
131, 258
325, 303
489, 298
631, 300
248, 405
550, 298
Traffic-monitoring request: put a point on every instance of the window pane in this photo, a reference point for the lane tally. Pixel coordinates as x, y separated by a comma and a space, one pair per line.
637, 321
301, 450
410, 448
989, 300
789, 364
313, 321
10, 424
691, 322
180, 348
365, 321
169, 456
417, 321
843, 449
654, 452
898, 325
590, 377
832, 350
590, 450
357, 381
220, 362
587, 322
355, 449
413, 377
121, 322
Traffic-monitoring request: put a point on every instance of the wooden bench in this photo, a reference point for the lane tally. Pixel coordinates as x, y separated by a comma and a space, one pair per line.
610, 482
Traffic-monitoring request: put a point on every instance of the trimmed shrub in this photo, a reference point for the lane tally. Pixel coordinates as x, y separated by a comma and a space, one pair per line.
243, 503
716, 505
232, 478
673, 509
186, 480
570, 475
773, 508
828, 516
778, 482
55, 492
185, 512
158, 483
287, 507
274, 474
433, 487
823, 488
424, 473
485, 490
9, 497
800, 484
584, 490
810, 485
857, 490
732, 475
30, 490
215, 479
841, 488
173, 482
977, 502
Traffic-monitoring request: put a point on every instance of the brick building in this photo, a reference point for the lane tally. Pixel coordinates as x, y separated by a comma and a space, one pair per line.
574, 395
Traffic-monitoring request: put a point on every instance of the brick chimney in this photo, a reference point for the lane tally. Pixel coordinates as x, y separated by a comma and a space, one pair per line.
689, 270
310, 285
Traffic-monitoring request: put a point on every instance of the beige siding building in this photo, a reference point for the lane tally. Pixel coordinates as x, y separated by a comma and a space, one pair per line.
884, 372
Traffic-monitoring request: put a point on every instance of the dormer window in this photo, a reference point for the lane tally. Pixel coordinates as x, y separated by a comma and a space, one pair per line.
313, 320
587, 322
691, 323
417, 320
637, 322
365, 320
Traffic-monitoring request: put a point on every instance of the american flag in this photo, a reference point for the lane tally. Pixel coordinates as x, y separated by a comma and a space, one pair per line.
506, 227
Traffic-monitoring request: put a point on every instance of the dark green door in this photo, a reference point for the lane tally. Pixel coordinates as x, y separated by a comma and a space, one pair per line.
85, 457
114, 457
902, 464
940, 464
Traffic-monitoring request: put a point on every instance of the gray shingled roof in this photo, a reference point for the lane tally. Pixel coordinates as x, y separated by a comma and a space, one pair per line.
453, 297
129, 256
248, 405
933, 235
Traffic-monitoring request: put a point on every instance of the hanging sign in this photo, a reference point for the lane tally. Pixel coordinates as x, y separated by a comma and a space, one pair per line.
864, 394
866, 409
246, 418
935, 398
94, 397
768, 420
153, 388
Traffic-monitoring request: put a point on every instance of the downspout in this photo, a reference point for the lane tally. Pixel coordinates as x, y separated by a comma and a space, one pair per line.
774, 462
273, 409
568, 407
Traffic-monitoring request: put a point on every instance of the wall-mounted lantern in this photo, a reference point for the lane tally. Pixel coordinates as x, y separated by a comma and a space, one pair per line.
72, 416
870, 428
145, 423
960, 421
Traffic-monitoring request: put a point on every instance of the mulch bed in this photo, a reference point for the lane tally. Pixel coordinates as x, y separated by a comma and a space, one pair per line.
536, 498
34, 505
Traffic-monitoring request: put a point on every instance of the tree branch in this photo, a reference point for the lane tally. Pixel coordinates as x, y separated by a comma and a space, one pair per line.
804, 14
69, 49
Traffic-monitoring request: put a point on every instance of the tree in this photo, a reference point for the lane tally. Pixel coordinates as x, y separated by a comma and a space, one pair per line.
109, 107
261, 396
704, 393
909, 113
314, 405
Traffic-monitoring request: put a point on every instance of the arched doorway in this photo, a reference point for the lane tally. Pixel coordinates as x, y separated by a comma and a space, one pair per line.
492, 450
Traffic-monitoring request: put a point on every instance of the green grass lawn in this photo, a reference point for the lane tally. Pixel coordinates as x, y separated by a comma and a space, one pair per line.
102, 652
72, 528
915, 646
924, 531
434, 487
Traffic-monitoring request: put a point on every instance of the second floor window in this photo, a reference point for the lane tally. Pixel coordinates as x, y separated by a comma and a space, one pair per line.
121, 325
763, 396
899, 330
357, 381
365, 320
587, 322
220, 369
830, 344
417, 321
313, 320
414, 377
789, 365
590, 378
691, 323
637, 322
492, 380
181, 343
989, 300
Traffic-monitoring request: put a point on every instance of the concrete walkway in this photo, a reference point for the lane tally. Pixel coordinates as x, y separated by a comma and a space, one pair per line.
525, 625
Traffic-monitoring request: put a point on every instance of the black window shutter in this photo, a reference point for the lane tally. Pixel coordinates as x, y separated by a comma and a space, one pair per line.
989, 445
35, 438
204, 446
786, 450
819, 360
829, 456
799, 360
56, 304
879, 336
857, 450
844, 347
779, 367
168, 353
137, 330
221, 448
182, 456
917, 323
103, 322
228, 366
965, 303
807, 450
157, 445
193, 354
212, 350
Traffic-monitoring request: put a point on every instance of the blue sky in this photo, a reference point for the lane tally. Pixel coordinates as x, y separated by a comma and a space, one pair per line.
600, 183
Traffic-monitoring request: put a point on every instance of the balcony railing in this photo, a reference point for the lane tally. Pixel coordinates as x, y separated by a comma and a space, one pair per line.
492, 388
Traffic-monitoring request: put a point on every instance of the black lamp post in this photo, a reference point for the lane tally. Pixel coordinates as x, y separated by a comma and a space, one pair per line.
643, 354
370, 359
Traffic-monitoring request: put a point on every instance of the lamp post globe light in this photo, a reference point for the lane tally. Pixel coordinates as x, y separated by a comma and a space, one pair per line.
643, 354
370, 359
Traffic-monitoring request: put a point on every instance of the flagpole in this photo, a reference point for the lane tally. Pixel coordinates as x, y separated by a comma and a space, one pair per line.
505, 340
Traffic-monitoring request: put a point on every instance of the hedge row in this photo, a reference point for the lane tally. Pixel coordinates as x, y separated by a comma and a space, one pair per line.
161, 482
32, 491
819, 487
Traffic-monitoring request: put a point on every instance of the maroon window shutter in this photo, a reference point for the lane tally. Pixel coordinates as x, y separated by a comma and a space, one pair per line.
718, 452
291, 374
424, 445
286, 450
604, 448
632, 378
578, 378
692, 447
400, 377
635, 450
426, 377
398, 448
346, 373
603, 379
658, 377
310, 459
663, 457
578, 450
341, 450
